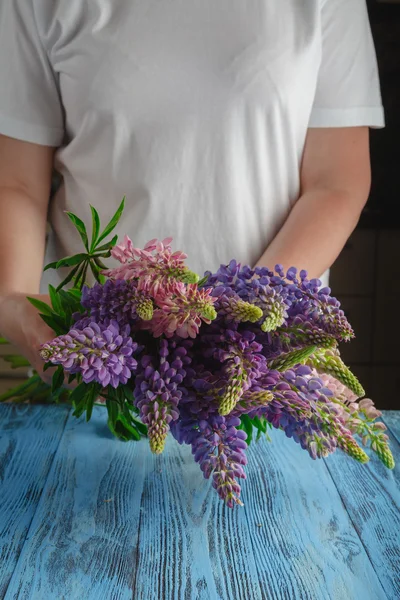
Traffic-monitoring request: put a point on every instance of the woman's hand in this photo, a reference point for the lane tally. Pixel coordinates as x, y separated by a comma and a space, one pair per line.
22, 326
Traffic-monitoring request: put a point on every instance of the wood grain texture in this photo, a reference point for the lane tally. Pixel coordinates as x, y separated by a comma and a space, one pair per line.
371, 495
29, 437
116, 522
392, 420
306, 546
111, 526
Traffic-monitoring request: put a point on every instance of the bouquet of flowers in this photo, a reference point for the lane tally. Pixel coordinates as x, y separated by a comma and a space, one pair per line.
211, 360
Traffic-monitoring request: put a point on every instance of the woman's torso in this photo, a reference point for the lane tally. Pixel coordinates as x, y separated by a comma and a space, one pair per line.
196, 110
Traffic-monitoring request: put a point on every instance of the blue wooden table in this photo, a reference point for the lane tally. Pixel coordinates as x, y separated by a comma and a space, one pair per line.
84, 516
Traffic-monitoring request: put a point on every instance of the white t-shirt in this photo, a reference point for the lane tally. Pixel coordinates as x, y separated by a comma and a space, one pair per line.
197, 111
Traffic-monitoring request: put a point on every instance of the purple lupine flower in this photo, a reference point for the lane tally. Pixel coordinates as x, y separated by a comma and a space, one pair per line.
157, 392
305, 297
233, 308
99, 352
117, 299
219, 448
237, 363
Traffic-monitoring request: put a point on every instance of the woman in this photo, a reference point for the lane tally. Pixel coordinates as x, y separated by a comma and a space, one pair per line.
238, 128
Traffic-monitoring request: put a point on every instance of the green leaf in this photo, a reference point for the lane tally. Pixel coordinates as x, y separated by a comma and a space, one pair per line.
47, 365
3, 341
68, 278
55, 324
71, 261
141, 427
91, 398
20, 389
247, 426
260, 424
128, 393
82, 281
113, 222
128, 426
77, 294
107, 246
55, 300
16, 361
113, 410
52, 265
95, 227
57, 379
41, 306
100, 263
80, 226
96, 272
69, 302
202, 281
79, 277
79, 398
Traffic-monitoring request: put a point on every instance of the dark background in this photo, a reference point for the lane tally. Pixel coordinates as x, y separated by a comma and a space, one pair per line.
366, 276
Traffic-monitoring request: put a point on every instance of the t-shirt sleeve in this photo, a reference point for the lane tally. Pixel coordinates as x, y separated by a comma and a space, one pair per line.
348, 88
30, 105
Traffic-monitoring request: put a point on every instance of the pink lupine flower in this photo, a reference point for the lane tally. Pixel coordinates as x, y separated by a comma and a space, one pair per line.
182, 312
366, 405
155, 266
341, 393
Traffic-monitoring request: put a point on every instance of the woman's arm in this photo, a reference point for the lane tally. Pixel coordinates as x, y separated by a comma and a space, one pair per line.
335, 184
25, 180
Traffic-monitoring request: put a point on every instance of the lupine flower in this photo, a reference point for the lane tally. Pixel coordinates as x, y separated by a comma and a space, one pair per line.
230, 305
156, 266
157, 392
98, 352
329, 361
119, 300
219, 448
183, 312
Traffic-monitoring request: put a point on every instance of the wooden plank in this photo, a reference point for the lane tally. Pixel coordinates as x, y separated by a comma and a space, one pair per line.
115, 521
371, 495
29, 437
84, 540
391, 419
190, 544
304, 542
